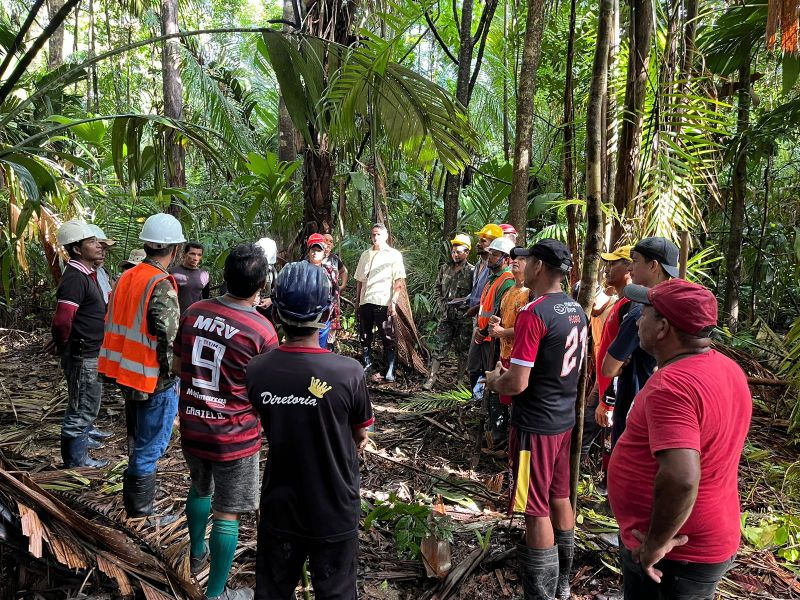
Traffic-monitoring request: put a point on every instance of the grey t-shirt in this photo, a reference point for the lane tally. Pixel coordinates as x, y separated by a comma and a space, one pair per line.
192, 285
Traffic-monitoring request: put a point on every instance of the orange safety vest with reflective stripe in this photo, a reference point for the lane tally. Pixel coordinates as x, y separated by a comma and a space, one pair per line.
129, 351
487, 301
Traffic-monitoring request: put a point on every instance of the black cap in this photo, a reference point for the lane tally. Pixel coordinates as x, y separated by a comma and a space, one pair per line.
662, 250
549, 251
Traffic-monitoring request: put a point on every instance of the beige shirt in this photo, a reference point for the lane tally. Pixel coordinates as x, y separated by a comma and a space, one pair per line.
377, 270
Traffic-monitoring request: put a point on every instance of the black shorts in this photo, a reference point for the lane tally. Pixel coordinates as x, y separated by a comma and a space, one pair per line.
279, 564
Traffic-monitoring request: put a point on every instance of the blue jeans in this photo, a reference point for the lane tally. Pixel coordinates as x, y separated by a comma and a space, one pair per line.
149, 430
84, 391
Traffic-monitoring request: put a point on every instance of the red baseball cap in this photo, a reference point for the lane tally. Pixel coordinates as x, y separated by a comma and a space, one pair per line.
508, 228
687, 306
316, 239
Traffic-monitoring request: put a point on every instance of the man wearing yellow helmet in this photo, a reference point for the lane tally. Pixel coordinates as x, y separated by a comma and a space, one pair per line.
452, 290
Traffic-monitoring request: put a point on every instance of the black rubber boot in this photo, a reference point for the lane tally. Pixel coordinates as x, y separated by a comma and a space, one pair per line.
138, 493
391, 355
93, 444
538, 568
98, 434
365, 352
565, 540
74, 453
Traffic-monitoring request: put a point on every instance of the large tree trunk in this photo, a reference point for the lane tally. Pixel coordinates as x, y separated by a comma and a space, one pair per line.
173, 101
568, 160
55, 46
531, 53
506, 124
452, 184
594, 184
733, 257
611, 120
287, 147
641, 30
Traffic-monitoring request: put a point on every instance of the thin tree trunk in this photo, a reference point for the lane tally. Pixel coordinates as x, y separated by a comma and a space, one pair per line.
114, 61
94, 92
734, 254
452, 184
23, 31
506, 124
173, 101
641, 30
611, 119
594, 237
569, 140
531, 53
287, 147
758, 264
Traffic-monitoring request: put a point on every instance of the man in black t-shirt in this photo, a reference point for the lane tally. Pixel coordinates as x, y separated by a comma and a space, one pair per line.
655, 259
315, 411
549, 348
77, 330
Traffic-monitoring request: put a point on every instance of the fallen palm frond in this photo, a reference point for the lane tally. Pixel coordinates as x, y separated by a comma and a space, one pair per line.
455, 398
77, 542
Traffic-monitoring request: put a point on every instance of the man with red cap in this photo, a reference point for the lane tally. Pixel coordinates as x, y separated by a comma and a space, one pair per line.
509, 232
672, 480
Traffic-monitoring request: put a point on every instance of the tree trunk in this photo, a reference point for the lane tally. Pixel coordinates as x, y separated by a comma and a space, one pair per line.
625, 184
758, 263
318, 170
733, 258
569, 140
452, 184
610, 117
531, 53
287, 147
506, 124
55, 45
594, 234
173, 101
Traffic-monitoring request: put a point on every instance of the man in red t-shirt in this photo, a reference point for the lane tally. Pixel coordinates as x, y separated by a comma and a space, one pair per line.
220, 431
673, 476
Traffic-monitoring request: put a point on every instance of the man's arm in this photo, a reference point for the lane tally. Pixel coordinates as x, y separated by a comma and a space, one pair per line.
611, 366
357, 301
343, 274
397, 288
508, 382
163, 318
623, 346
674, 494
360, 438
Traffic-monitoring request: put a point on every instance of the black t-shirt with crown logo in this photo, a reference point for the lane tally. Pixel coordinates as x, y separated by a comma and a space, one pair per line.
310, 400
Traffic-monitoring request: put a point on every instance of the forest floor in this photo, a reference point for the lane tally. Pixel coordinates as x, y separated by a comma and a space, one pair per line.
421, 452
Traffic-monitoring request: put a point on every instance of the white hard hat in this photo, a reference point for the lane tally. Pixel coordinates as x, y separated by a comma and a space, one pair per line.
101, 235
270, 249
502, 244
162, 230
73, 231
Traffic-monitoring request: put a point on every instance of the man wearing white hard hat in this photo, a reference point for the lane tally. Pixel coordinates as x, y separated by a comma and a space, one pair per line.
141, 325
77, 330
102, 275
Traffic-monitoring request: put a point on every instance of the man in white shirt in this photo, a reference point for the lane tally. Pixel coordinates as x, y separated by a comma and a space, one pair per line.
379, 280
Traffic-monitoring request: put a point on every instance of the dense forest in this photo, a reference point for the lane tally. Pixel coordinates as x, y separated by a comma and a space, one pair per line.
595, 123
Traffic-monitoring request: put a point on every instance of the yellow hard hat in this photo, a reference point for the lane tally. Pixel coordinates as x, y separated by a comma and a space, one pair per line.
462, 239
621, 253
490, 231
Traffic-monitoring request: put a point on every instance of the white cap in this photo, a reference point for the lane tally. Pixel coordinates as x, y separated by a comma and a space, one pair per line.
161, 230
502, 244
270, 249
73, 231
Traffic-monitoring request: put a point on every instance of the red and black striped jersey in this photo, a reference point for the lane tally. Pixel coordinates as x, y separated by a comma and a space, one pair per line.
215, 343
550, 339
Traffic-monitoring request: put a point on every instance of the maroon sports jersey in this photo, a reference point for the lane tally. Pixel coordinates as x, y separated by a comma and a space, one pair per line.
215, 343
550, 338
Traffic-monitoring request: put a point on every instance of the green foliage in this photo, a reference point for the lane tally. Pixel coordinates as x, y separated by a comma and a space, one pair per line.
457, 397
777, 531
410, 523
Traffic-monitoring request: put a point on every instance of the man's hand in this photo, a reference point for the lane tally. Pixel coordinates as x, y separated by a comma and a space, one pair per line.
50, 347
477, 336
493, 376
495, 330
601, 415
648, 556
390, 310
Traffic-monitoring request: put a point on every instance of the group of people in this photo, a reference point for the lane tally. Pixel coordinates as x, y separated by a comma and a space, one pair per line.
679, 410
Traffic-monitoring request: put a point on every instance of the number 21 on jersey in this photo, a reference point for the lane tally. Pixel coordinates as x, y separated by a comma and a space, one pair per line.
575, 341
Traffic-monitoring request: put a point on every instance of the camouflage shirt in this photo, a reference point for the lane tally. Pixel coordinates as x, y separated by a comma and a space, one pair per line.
163, 318
451, 285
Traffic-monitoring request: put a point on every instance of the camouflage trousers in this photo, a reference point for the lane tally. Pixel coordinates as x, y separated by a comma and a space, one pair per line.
452, 334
